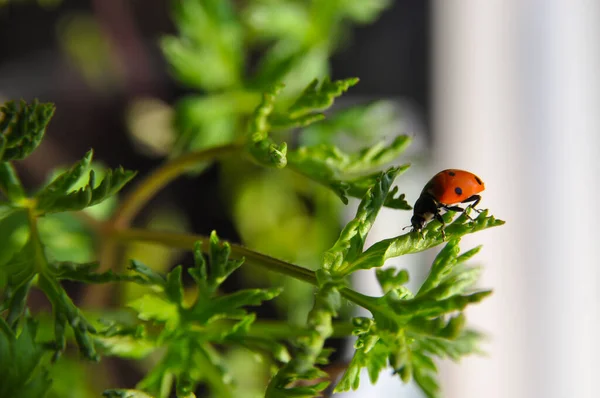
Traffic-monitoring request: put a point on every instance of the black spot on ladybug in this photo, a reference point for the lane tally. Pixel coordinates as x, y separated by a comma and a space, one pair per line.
458, 191
478, 180
451, 173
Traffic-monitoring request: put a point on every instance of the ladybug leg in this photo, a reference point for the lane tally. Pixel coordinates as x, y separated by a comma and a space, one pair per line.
453, 208
475, 199
457, 208
443, 227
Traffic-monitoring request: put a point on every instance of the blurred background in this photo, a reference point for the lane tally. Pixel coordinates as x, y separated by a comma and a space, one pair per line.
508, 89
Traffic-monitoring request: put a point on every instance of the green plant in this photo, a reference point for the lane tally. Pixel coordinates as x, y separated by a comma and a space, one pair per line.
186, 332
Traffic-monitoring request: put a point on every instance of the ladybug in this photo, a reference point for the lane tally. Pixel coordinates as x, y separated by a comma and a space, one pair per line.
446, 188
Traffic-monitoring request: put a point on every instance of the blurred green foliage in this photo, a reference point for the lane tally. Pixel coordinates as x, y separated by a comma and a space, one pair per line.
231, 52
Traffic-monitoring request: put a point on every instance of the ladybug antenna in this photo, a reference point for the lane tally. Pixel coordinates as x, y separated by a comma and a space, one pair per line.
408, 226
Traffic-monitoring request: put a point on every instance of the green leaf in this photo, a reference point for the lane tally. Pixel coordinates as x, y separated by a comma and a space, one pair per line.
14, 234
262, 148
352, 238
425, 376
21, 366
208, 55
364, 11
125, 393
174, 286
130, 345
376, 255
65, 182
208, 121
313, 100
58, 196
221, 266
70, 379
409, 353
409, 330
158, 380
391, 278
442, 265
426, 307
66, 238
309, 62
20, 268
208, 308
311, 347
458, 282
22, 128
277, 20
440, 327
84, 272
374, 359
258, 126
363, 123
189, 330
231, 305
266, 347
15, 303
275, 65
150, 276
319, 98
65, 312
281, 388
10, 185
467, 343
329, 166
358, 187
155, 308
301, 113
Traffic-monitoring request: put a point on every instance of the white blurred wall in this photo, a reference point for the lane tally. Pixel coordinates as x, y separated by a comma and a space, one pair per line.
517, 101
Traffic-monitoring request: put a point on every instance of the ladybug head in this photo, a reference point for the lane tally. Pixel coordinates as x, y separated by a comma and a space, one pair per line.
418, 222
424, 210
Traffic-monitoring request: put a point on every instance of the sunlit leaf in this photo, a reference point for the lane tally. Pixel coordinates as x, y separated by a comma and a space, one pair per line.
57, 196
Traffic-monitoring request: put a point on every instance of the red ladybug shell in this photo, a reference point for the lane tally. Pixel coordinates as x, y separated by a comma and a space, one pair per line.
453, 186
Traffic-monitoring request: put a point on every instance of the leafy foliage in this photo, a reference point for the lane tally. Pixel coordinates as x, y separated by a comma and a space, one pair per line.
122, 393
189, 330
208, 53
218, 38
21, 366
383, 250
302, 112
260, 146
328, 297
184, 333
335, 169
59, 196
315, 98
356, 123
22, 128
408, 329
9, 183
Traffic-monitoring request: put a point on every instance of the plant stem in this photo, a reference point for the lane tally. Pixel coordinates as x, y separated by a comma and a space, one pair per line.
41, 263
160, 177
283, 330
186, 241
